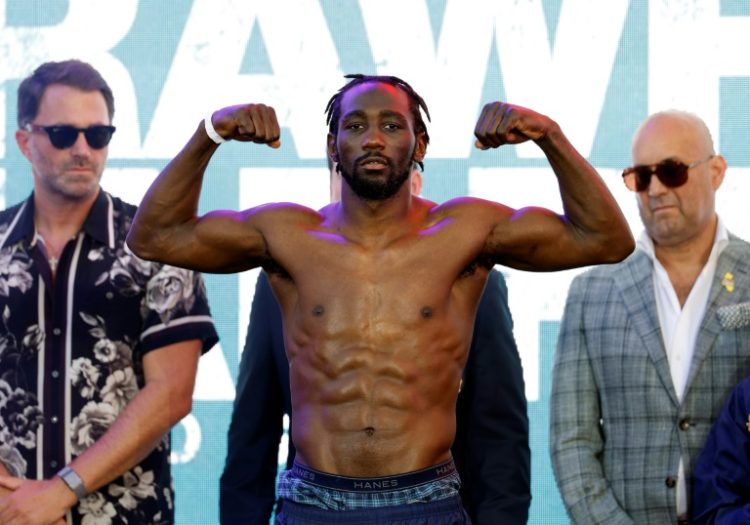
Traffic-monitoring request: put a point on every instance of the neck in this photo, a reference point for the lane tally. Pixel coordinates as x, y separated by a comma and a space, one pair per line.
695, 250
57, 219
373, 220
685, 261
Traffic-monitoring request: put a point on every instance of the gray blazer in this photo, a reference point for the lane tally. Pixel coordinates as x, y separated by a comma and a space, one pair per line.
617, 429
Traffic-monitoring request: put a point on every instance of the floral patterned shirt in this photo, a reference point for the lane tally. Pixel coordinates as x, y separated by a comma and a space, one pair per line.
71, 352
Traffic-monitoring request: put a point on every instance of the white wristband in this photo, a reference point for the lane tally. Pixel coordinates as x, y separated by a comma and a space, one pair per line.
210, 131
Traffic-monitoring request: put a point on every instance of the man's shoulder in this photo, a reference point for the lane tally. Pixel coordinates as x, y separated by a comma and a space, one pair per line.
121, 217
8, 214
13, 223
12, 209
122, 207
458, 204
738, 245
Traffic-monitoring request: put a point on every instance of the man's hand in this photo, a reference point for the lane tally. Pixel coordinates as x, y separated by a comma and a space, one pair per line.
34, 502
501, 123
248, 123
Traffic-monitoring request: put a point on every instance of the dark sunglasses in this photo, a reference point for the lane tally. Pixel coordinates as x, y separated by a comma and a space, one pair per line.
64, 136
672, 173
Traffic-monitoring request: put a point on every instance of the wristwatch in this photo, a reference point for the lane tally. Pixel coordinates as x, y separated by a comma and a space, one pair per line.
73, 481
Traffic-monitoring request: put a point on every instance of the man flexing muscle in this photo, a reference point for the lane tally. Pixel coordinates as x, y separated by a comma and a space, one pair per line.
378, 291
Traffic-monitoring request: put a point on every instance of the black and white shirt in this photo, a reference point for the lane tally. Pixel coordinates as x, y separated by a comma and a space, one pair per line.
72, 347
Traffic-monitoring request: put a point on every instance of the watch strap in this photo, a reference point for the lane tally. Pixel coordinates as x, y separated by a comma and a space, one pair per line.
73, 481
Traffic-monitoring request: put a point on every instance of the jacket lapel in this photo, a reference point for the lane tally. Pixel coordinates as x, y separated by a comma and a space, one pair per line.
636, 286
730, 261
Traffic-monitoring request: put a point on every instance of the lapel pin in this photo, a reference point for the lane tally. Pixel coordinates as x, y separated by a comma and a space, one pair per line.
728, 282
748, 423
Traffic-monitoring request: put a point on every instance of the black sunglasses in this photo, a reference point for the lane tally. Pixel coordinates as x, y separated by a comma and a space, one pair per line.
64, 136
670, 172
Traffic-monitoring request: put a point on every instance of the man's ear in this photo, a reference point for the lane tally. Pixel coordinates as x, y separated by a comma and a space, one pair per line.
420, 148
22, 139
718, 167
333, 153
416, 182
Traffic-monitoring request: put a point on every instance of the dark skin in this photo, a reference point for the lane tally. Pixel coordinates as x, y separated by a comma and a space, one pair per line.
379, 297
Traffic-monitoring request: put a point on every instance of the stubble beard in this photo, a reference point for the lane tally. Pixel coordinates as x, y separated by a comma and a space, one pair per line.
371, 189
72, 188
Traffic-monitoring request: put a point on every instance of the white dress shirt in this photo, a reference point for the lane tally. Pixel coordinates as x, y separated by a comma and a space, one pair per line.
680, 324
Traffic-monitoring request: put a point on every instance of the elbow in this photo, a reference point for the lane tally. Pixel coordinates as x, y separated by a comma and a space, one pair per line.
143, 243
181, 407
617, 248
136, 241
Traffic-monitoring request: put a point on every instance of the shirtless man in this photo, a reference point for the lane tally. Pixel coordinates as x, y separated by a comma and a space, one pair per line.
378, 292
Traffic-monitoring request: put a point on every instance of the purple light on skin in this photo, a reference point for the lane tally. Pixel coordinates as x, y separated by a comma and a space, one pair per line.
274, 206
329, 237
242, 215
443, 223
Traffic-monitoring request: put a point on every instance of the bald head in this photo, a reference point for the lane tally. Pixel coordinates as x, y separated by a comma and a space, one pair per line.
680, 135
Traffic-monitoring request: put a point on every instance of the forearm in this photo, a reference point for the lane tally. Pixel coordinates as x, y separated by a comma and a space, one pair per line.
135, 433
576, 447
172, 200
576, 440
590, 209
584, 489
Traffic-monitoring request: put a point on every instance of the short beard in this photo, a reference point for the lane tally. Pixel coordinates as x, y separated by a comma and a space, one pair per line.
374, 190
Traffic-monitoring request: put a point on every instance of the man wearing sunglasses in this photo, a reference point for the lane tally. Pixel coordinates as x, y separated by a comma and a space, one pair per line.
644, 360
98, 349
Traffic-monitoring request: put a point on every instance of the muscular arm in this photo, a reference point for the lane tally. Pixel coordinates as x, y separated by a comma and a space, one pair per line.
492, 440
167, 228
247, 486
163, 401
593, 230
576, 441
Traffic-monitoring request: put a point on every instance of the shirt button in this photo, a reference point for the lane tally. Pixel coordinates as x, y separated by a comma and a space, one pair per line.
53, 419
684, 424
670, 482
53, 464
55, 374
56, 331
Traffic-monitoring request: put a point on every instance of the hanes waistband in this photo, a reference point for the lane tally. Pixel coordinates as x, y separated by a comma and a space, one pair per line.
379, 484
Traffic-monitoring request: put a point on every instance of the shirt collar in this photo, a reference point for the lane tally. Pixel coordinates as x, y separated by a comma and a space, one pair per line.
721, 239
98, 223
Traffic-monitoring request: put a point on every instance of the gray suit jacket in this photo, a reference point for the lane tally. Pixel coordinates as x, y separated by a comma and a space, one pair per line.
617, 429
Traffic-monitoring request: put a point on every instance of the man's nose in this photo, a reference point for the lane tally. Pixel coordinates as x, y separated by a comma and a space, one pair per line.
373, 138
656, 187
81, 147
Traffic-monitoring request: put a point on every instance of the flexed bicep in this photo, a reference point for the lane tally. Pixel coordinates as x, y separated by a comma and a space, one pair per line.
167, 227
536, 239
